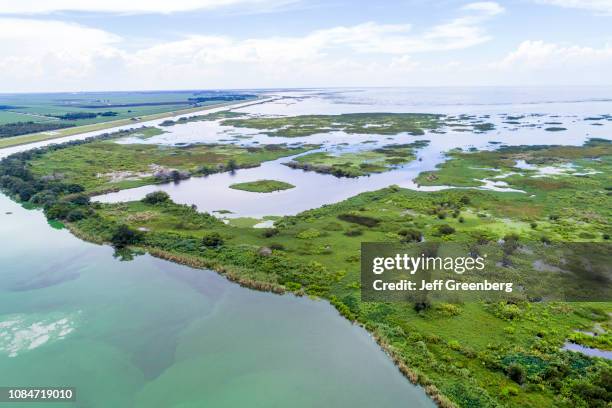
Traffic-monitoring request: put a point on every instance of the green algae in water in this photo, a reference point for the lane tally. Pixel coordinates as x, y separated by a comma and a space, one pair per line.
55, 224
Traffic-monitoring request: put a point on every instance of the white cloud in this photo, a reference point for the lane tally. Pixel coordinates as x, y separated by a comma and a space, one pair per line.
55, 55
541, 62
51, 50
370, 37
488, 7
532, 55
598, 6
127, 6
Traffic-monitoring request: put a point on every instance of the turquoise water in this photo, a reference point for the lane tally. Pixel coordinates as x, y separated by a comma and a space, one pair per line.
149, 333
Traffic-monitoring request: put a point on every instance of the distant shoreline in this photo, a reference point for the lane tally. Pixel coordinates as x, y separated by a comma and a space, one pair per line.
72, 131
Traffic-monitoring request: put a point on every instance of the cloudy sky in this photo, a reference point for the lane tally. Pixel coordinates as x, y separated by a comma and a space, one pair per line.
76, 45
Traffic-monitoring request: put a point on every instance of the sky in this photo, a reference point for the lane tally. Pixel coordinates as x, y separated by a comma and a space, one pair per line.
104, 45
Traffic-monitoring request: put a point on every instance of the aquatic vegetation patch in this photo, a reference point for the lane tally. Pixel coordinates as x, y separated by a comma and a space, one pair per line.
578, 188
147, 133
363, 123
262, 186
226, 114
360, 163
595, 340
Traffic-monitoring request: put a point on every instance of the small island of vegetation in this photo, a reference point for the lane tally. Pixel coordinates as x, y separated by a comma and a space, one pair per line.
262, 186
357, 164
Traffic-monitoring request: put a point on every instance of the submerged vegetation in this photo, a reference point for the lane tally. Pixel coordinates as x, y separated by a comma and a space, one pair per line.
262, 186
516, 362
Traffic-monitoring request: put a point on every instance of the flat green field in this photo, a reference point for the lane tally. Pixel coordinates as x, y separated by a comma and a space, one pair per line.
38, 137
85, 112
262, 186
12, 117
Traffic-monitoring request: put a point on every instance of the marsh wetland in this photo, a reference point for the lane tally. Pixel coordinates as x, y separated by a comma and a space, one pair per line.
323, 171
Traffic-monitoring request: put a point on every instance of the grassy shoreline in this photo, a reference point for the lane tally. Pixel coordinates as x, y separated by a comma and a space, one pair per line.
233, 276
71, 131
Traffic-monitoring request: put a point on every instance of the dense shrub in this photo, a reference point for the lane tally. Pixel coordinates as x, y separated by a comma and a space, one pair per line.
231, 165
76, 215
22, 128
516, 373
309, 233
156, 197
269, 232
58, 211
77, 115
359, 219
80, 199
212, 240
353, 232
422, 305
595, 392
124, 236
410, 235
511, 244
446, 229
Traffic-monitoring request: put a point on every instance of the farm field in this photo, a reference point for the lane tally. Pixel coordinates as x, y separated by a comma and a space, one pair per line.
57, 115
